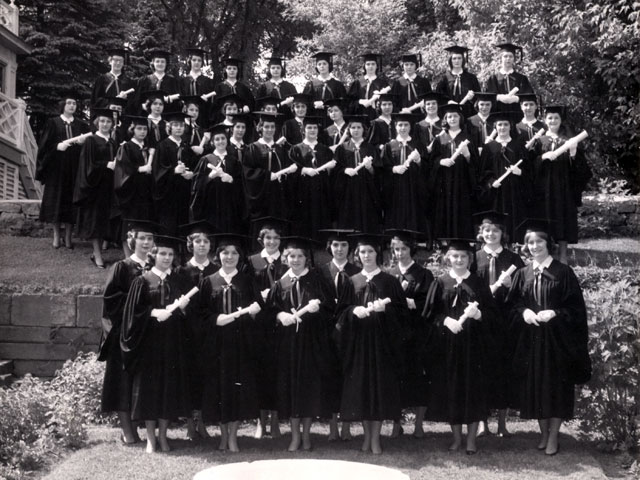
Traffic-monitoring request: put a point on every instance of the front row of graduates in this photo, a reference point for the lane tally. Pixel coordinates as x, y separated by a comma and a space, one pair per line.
307, 343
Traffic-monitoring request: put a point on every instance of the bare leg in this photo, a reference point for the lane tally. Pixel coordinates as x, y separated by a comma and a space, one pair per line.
275, 424
562, 252
68, 230
345, 433
233, 437
483, 429
376, 447
97, 253
261, 427
129, 433
56, 235
544, 430
163, 425
554, 430
224, 436
295, 435
366, 444
457, 437
151, 435
333, 428
502, 423
472, 431
418, 431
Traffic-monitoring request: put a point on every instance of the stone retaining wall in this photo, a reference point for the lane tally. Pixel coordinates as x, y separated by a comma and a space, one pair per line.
40, 332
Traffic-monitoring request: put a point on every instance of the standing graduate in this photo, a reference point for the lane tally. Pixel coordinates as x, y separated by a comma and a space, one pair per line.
325, 86
152, 340
198, 236
408, 88
334, 133
237, 144
427, 129
230, 392
415, 281
114, 83
313, 192
132, 181
117, 383
159, 79
382, 130
57, 167
268, 267
404, 187
194, 133
94, 183
231, 105
154, 106
512, 195
370, 340
361, 91
232, 85
492, 260
196, 83
457, 350
217, 192
269, 191
453, 181
479, 125
458, 81
357, 193
172, 173
276, 86
529, 125
293, 129
550, 319
307, 368
506, 79
559, 181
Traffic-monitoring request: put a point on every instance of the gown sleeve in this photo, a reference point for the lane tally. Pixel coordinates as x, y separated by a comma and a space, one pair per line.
135, 322
46, 151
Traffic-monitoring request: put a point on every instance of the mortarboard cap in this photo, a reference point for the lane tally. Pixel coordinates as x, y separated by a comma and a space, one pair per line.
363, 119
304, 243
118, 52
528, 97
241, 118
413, 58
101, 112
276, 61
387, 97
559, 109
457, 244
374, 239
196, 51
116, 103
534, 225
510, 47
264, 101
201, 226
218, 129
335, 102
405, 117
175, 117
136, 120
457, 49
232, 62
503, 117
431, 96
73, 95
167, 241
269, 117
490, 216
225, 239
280, 225
191, 100
339, 234
405, 236
141, 225
231, 98
326, 56
159, 53
451, 107
154, 94
312, 121
302, 98
485, 97
372, 57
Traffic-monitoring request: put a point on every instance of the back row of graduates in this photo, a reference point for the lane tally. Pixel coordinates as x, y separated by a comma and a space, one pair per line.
272, 334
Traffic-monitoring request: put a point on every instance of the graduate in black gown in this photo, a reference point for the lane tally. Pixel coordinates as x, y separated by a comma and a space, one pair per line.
458, 81
94, 183
152, 340
453, 182
457, 350
337, 273
335, 131
506, 79
371, 344
268, 267
269, 189
276, 86
217, 194
293, 129
492, 260
404, 186
479, 125
559, 182
172, 173
132, 181
197, 84
313, 192
550, 319
237, 143
115, 82
361, 91
194, 133
230, 392
154, 108
159, 79
382, 130
57, 167
428, 128
408, 88
357, 190
512, 195
415, 281
231, 105
325, 86
117, 383
529, 125
197, 268
308, 370
232, 85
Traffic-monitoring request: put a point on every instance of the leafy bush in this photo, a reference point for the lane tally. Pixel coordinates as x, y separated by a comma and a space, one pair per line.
600, 217
608, 405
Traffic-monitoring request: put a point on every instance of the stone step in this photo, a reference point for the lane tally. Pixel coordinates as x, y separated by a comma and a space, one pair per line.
6, 366
605, 253
6, 380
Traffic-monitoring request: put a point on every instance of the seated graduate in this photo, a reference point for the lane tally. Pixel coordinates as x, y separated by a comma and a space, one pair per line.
408, 88
361, 92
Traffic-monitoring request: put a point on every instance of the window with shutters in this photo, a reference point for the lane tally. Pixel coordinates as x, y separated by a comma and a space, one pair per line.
9, 181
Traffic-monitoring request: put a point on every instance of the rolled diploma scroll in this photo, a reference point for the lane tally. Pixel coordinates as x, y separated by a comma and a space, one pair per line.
189, 294
463, 317
502, 278
529, 144
383, 302
458, 151
499, 181
572, 142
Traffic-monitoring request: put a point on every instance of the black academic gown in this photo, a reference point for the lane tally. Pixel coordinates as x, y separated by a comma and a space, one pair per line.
266, 197
427, 132
514, 195
503, 84
313, 196
404, 195
132, 188
362, 89
331, 135
468, 82
155, 352
307, 368
415, 282
323, 90
407, 92
371, 350
453, 189
157, 133
201, 85
230, 369
281, 91
501, 389
381, 133
221, 204
457, 365
223, 89
551, 358
94, 187
58, 170
168, 84
106, 86
357, 199
558, 187
479, 129
293, 132
116, 387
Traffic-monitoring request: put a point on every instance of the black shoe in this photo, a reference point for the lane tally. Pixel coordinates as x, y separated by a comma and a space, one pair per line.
93, 259
471, 452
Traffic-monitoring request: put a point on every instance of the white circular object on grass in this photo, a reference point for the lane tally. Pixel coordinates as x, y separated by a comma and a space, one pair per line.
299, 469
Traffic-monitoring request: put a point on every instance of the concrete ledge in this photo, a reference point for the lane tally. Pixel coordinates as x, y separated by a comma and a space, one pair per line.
43, 310
46, 368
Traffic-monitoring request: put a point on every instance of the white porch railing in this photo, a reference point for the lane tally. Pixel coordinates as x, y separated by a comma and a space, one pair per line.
9, 16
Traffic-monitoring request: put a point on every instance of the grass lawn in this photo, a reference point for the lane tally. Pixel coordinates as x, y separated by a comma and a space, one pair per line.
106, 459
